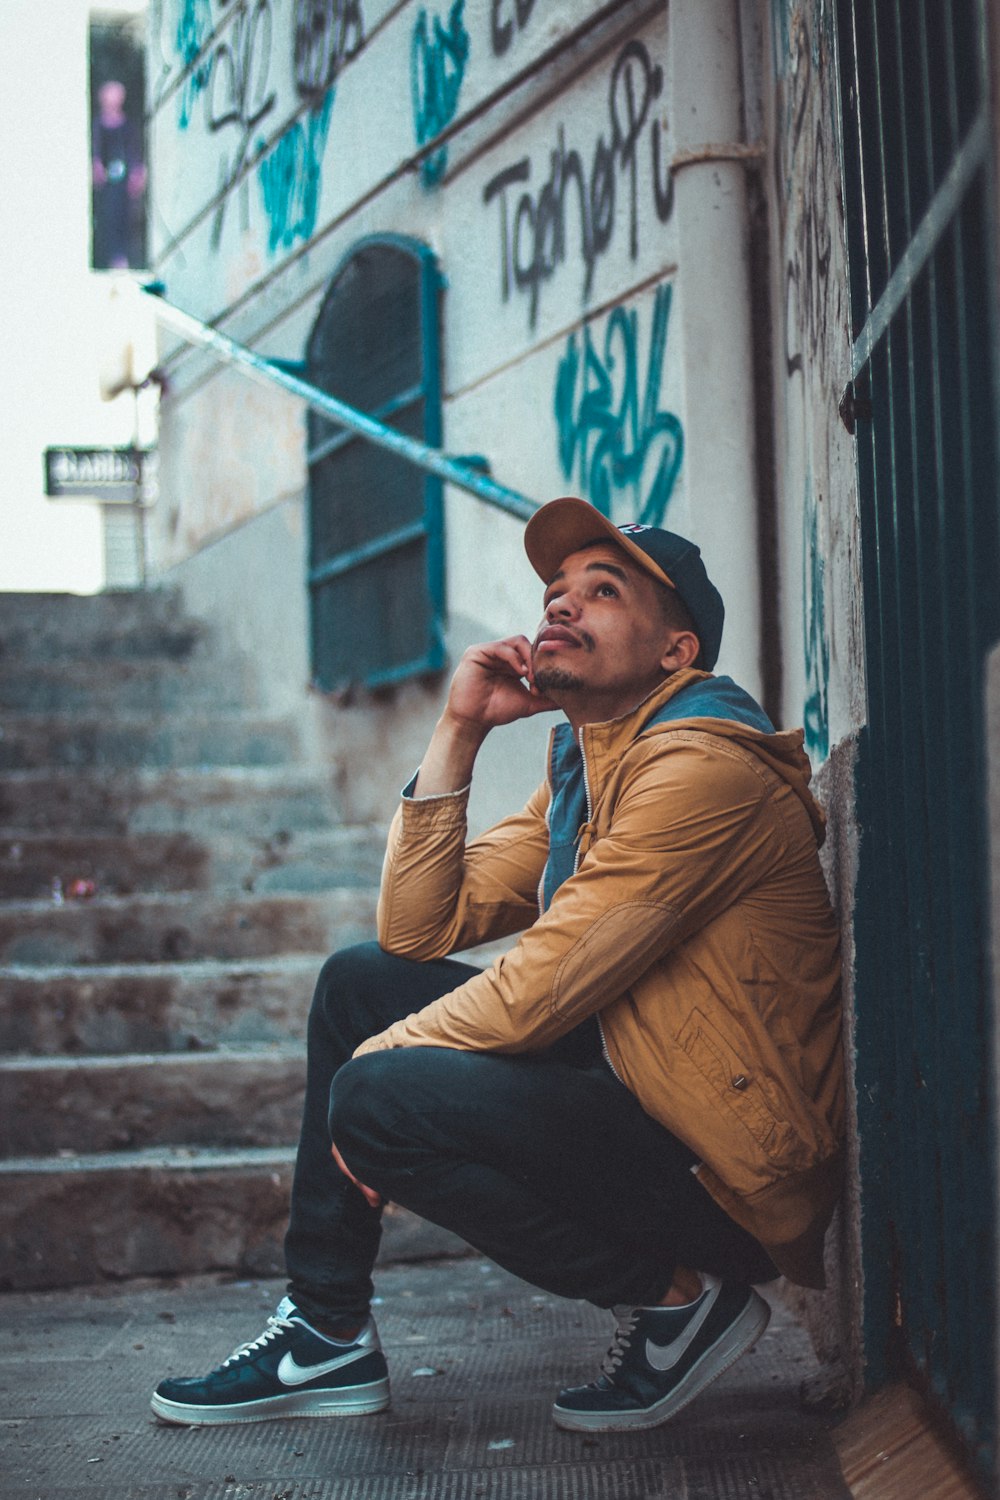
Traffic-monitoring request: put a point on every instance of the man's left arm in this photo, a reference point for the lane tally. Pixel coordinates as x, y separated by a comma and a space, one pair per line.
693, 830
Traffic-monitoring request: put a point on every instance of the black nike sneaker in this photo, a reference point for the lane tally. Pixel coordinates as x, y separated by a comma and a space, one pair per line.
662, 1357
290, 1370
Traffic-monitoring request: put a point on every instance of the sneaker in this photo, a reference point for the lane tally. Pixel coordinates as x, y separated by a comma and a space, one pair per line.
662, 1357
289, 1371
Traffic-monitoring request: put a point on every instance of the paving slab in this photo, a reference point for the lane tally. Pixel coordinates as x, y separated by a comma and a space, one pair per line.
475, 1358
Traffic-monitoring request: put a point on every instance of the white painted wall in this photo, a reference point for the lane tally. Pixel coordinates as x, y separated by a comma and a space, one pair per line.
55, 313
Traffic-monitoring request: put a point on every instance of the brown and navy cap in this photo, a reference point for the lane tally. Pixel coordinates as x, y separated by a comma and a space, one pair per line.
564, 526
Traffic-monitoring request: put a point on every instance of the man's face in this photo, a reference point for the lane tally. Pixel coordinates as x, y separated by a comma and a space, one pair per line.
603, 644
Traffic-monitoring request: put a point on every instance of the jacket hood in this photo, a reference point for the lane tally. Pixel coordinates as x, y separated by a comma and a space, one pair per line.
781, 750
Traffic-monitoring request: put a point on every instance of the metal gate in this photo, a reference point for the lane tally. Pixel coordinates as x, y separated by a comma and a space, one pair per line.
376, 564
919, 215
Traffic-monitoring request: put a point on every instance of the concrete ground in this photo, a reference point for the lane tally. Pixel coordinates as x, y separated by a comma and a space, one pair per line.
475, 1358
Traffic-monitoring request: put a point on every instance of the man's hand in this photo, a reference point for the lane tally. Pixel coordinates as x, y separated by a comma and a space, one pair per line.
493, 684
371, 1197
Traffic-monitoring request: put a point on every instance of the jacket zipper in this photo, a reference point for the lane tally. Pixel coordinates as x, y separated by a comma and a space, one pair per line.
576, 866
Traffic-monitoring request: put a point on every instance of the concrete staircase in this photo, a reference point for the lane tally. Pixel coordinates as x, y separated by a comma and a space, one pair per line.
172, 875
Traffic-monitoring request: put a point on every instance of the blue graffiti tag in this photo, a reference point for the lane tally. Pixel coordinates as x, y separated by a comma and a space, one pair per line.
816, 645
290, 177
607, 433
194, 27
437, 68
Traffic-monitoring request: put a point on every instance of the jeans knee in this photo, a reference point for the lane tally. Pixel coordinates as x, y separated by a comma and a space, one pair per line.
347, 968
357, 1100
341, 996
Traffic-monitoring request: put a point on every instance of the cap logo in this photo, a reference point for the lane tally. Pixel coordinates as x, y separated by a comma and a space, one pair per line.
631, 527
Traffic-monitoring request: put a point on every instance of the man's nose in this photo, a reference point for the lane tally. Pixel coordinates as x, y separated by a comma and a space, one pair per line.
562, 607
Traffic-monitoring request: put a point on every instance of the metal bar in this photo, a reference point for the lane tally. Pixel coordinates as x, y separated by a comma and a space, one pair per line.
431, 460
930, 229
388, 409
367, 552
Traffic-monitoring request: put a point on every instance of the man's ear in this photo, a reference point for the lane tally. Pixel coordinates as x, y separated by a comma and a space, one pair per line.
681, 650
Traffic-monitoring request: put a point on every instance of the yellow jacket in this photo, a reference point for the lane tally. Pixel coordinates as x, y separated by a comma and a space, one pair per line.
697, 926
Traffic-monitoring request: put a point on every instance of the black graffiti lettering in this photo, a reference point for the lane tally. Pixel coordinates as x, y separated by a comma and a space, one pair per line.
810, 216
663, 186
632, 60
327, 34
502, 31
527, 269
635, 83
497, 187
571, 169
549, 227
602, 207
241, 65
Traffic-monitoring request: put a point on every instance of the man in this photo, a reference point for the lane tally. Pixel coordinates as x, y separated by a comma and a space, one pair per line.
640, 1104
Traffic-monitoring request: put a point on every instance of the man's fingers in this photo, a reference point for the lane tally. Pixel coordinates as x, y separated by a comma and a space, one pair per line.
514, 653
370, 1195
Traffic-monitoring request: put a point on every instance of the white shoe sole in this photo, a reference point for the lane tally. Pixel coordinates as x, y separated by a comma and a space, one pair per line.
352, 1401
740, 1336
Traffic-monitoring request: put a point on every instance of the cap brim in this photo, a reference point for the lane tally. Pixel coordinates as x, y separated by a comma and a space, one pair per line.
564, 526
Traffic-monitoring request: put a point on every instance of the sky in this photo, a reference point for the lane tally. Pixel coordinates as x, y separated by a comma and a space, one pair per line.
60, 324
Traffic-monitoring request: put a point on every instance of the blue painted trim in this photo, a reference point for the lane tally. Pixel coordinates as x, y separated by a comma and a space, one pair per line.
344, 562
290, 366
431, 289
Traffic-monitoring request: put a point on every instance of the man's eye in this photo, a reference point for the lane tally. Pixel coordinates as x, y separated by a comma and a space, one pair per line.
607, 588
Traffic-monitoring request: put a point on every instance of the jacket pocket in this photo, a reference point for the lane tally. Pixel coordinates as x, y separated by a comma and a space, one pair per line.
747, 1097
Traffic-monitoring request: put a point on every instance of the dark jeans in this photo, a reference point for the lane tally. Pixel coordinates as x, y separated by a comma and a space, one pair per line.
544, 1162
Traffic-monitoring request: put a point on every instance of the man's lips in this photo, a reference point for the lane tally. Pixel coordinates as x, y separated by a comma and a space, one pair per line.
556, 635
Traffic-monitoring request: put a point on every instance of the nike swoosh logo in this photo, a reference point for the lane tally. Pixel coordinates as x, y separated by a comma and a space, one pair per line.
663, 1357
289, 1372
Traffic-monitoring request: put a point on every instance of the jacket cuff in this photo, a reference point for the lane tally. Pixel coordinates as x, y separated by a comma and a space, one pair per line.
439, 810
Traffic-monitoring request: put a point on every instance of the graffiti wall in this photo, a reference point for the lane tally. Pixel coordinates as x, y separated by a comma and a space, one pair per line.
287, 130
531, 145
821, 630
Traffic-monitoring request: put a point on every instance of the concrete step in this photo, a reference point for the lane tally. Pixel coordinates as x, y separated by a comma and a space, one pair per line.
166, 1007
150, 1007
30, 741
257, 801
115, 625
122, 686
33, 866
161, 928
159, 1212
164, 1212
232, 1097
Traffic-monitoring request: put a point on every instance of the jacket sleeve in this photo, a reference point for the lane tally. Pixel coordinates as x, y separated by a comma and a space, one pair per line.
693, 829
439, 894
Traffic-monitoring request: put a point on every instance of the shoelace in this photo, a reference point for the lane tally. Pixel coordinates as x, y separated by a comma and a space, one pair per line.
627, 1320
275, 1325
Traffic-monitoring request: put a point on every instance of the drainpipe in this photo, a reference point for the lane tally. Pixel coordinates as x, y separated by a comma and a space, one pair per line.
710, 207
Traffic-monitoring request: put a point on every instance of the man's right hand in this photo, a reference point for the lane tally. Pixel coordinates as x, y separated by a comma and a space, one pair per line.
493, 684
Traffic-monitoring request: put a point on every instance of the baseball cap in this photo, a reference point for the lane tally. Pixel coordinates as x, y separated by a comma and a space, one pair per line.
565, 525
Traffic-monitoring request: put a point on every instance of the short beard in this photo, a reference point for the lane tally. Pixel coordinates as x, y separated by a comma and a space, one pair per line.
551, 680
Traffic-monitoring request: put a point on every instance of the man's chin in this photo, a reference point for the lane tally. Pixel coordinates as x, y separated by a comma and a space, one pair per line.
554, 681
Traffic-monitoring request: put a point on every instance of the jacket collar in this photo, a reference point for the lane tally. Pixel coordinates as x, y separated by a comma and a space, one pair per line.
603, 744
